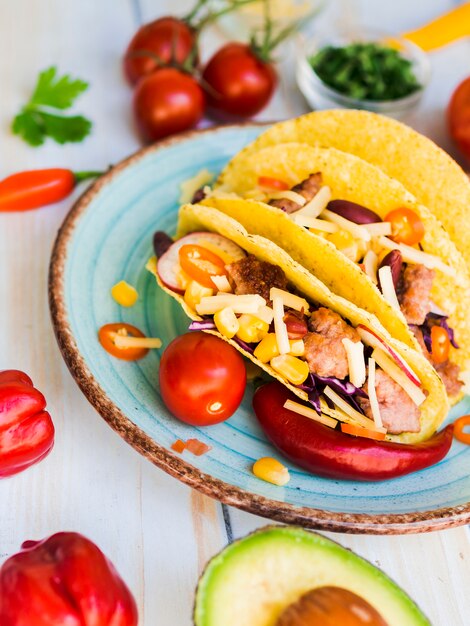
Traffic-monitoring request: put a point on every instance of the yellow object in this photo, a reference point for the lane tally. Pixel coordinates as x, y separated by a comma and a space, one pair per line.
195, 292
443, 30
267, 349
297, 347
346, 244
124, 294
226, 322
272, 471
252, 329
293, 369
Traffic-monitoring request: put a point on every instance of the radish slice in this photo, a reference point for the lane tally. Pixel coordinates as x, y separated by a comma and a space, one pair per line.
373, 340
168, 265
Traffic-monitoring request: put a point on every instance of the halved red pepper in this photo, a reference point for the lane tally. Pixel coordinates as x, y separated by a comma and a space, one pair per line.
63, 580
328, 452
26, 429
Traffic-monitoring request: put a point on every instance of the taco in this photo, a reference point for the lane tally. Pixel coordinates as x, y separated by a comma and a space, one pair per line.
336, 215
426, 170
324, 348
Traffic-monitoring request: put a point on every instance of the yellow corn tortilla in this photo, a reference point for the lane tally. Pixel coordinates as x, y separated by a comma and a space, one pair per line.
349, 178
426, 170
194, 218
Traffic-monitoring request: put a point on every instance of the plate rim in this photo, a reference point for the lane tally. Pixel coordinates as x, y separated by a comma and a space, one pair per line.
176, 466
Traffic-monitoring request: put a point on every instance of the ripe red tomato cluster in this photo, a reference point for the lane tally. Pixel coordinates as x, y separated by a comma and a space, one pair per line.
172, 90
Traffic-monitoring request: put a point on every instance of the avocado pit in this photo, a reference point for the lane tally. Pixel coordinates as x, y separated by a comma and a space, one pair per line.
330, 606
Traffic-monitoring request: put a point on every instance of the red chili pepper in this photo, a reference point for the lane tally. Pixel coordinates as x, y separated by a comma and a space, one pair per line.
328, 452
64, 579
26, 429
36, 188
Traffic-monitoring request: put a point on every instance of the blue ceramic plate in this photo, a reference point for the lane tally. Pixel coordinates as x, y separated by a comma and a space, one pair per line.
107, 237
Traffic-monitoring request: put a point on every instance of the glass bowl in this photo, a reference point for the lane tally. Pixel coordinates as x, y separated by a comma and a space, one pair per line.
321, 96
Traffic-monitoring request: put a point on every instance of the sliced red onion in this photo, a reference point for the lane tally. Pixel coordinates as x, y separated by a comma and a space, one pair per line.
248, 347
202, 325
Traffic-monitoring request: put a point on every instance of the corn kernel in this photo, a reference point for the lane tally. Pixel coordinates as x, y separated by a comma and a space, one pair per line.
195, 292
226, 322
267, 348
291, 368
252, 329
272, 471
346, 243
124, 294
182, 278
297, 347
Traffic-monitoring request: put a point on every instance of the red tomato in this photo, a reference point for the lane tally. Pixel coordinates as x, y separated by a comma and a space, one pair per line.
200, 264
440, 344
202, 379
406, 226
106, 336
166, 39
166, 102
458, 116
272, 183
239, 83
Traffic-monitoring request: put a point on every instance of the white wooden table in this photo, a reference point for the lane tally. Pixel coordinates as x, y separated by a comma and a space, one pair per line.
158, 532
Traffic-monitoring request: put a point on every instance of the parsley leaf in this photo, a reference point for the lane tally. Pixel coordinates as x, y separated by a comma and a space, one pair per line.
37, 120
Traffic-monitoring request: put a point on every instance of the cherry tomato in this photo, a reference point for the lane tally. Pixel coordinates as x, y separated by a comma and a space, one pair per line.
202, 379
166, 39
440, 344
200, 264
272, 183
406, 226
166, 102
106, 336
458, 116
459, 426
239, 84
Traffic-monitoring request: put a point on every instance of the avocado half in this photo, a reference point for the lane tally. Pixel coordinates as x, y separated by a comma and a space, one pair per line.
252, 581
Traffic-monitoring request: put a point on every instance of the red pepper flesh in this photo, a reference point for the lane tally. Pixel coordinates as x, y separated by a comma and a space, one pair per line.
26, 429
63, 580
36, 188
328, 452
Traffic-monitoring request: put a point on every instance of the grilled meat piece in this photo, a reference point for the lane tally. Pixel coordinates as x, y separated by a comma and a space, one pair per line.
398, 411
324, 351
251, 276
414, 293
308, 188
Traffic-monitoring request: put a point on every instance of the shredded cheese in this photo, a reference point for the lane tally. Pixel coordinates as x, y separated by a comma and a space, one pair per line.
355, 230
371, 391
356, 362
412, 255
265, 313
378, 228
288, 195
387, 286
370, 262
125, 341
316, 205
301, 409
222, 284
239, 303
397, 374
312, 222
290, 300
347, 409
189, 187
280, 328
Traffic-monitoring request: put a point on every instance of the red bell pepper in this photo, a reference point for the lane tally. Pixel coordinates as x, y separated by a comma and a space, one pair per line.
64, 580
328, 452
26, 429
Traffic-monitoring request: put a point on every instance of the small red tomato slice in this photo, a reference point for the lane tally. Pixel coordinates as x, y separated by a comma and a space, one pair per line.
272, 183
407, 227
459, 426
440, 344
359, 431
106, 336
458, 116
202, 379
200, 264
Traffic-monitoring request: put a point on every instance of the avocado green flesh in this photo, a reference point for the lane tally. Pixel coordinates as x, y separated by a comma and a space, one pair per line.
253, 580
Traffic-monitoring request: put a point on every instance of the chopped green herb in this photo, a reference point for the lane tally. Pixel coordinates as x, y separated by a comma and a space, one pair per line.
365, 71
38, 120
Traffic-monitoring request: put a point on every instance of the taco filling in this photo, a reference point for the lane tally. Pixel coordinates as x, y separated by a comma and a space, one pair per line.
347, 369
387, 250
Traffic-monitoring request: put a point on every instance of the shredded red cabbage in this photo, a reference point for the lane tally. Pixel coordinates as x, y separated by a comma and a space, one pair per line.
248, 347
314, 386
313, 392
436, 319
202, 325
